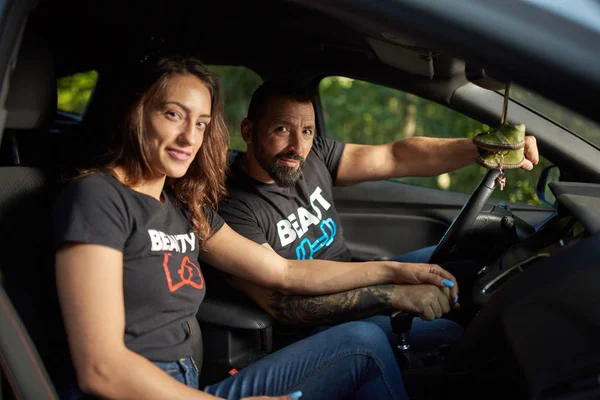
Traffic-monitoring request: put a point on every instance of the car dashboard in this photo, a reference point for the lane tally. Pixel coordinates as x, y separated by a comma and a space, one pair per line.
539, 302
577, 217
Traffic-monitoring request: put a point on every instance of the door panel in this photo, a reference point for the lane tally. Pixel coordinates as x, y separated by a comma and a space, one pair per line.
387, 219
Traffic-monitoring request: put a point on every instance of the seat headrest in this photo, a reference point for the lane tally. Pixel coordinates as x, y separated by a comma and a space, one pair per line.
32, 94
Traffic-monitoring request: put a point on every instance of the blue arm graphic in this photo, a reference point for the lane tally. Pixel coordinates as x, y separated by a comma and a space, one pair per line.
329, 230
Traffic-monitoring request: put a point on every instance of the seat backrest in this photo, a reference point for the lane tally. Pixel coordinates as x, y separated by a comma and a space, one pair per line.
25, 231
21, 363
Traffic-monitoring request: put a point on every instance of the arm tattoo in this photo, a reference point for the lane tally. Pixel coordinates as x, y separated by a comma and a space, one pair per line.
332, 308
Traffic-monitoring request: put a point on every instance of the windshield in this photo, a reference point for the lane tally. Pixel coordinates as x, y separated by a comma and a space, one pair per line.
585, 12
581, 126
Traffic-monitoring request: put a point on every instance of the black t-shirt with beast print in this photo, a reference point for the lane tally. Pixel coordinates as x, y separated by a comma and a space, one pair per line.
162, 282
299, 222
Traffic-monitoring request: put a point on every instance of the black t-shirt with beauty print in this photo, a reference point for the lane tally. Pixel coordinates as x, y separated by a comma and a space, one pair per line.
162, 282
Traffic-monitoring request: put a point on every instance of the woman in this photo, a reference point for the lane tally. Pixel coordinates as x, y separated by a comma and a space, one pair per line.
128, 239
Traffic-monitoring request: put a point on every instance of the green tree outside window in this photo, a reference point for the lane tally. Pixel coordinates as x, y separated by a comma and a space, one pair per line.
75, 91
365, 113
237, 85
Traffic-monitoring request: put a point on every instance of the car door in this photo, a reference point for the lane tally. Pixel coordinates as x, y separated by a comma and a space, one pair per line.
389, 218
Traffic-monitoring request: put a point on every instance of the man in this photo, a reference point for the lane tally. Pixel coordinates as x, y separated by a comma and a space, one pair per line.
281, 197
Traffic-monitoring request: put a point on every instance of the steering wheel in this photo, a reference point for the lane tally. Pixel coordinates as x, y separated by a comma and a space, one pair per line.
465, 218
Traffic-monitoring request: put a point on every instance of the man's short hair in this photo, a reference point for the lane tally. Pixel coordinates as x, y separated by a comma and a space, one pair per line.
283, 88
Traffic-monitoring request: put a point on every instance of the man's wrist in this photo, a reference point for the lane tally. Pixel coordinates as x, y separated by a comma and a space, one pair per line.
398, 297
480, 152
475, 151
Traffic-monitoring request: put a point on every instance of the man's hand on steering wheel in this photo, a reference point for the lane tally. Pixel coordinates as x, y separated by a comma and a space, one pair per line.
417, 273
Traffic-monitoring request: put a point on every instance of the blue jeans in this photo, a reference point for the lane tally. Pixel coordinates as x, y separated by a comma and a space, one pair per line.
184, 370
416, 256
349, 361
425, 336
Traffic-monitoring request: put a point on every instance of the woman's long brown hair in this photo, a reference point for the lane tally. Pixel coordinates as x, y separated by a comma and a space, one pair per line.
203, 185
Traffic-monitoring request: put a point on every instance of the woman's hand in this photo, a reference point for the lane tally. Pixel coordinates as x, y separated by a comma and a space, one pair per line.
433, 274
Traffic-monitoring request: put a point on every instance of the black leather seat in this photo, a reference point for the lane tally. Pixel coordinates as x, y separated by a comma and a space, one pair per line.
25, 240
21, 363
32, 162
29, 174
236, 331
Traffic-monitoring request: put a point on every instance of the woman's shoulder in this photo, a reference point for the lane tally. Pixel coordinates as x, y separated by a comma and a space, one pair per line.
96, 179
92, 188
92, 209
101, 183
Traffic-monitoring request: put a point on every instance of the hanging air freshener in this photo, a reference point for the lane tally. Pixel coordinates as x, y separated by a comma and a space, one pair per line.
502, 148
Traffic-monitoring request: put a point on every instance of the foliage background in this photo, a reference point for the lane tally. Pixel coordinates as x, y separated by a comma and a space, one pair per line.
361, 112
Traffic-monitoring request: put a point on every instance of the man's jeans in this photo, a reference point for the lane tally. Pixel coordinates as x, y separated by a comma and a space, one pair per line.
349, 361
425, 336
416, 256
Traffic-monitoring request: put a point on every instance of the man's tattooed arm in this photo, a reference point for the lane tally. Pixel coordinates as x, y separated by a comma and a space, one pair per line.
330, 309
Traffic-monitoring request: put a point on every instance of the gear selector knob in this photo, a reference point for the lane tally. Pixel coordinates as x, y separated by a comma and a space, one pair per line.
401, 323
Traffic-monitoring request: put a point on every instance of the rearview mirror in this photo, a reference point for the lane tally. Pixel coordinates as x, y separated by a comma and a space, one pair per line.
482, 78
550, 174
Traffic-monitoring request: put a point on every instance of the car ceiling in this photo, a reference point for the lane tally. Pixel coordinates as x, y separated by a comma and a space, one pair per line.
277, 38
309, 38
514, 40
546, 52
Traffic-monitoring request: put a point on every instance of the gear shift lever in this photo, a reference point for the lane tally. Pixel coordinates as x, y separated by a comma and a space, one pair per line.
401, 323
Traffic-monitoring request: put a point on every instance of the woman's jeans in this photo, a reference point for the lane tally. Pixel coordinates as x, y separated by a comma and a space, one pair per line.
184, 370
352, 360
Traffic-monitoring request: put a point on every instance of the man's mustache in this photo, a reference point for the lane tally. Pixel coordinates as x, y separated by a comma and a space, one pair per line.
290, 156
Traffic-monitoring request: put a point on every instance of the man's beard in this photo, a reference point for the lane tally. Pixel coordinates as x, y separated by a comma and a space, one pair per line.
283, 175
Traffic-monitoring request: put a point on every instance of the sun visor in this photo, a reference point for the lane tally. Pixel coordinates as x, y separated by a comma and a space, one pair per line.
417, 62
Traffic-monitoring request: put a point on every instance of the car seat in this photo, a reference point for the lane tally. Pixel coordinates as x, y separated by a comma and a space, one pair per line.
25, 236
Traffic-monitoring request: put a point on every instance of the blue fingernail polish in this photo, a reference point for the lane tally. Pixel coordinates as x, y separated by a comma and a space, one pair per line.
296, 395
456, 299
448, 283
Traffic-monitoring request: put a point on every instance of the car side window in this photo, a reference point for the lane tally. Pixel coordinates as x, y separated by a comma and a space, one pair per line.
75, 91
360, 112
237, 85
